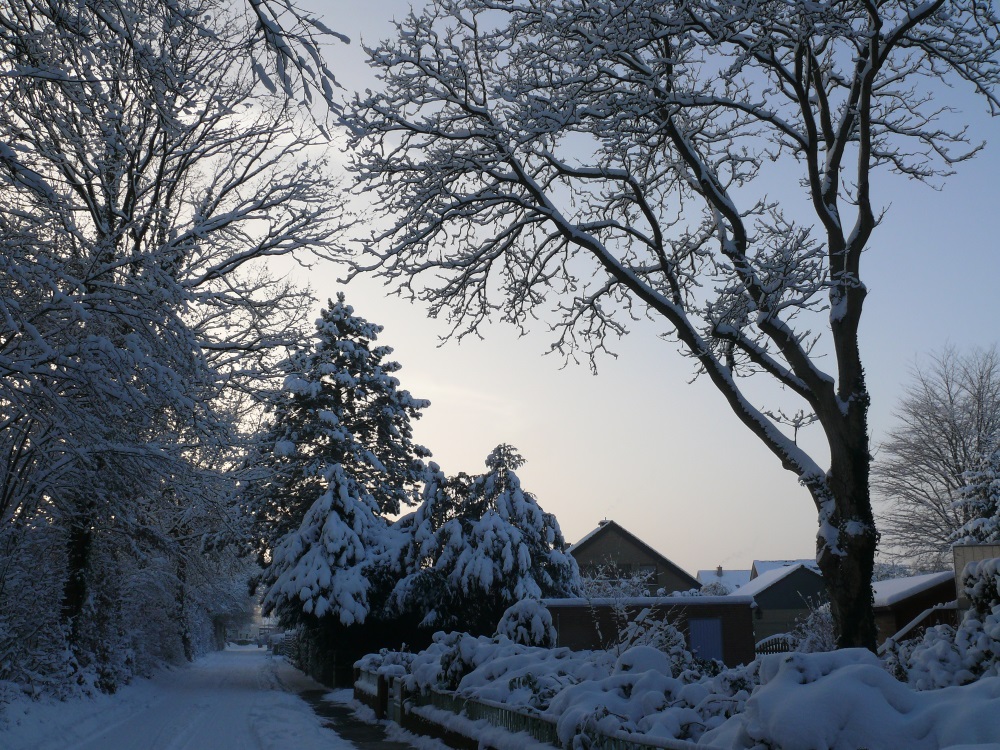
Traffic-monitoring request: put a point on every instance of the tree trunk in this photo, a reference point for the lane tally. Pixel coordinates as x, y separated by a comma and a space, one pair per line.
75, 592
848, 560
187, 643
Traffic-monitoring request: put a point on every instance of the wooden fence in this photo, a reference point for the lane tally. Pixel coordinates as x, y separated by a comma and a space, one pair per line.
781, 643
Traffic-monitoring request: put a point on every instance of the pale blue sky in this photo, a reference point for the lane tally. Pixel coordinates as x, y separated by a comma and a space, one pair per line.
636, 443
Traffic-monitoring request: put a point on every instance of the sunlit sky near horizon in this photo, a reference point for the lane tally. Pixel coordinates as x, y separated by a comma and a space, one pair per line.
637, 443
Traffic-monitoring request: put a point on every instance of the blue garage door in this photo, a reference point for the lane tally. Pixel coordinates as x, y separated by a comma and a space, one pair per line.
706, 637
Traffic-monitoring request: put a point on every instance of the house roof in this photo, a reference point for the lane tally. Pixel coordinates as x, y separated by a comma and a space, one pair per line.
894, 590
763, 566
731, 579
607, 527
769, 578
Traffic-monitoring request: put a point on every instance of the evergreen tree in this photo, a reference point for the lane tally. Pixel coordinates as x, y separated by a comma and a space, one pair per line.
480, 544
980, 501
335, 459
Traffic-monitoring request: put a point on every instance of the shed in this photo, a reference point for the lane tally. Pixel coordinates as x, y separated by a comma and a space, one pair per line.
783, 595
617, 550
913, 602
715, 627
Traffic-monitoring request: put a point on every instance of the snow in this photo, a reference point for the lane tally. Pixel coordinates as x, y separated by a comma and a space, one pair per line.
841, 700
238, 699
584, 538
764, 566
731, 579
768, 579
893, 590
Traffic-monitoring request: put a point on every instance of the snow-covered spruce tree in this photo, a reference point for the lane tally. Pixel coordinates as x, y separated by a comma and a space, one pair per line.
979, 501
478, 545
336, 457
591, 162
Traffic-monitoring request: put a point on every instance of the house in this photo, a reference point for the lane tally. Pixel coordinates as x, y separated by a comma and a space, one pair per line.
903, 606
714, 627
730, 580
614, 550
763, 566
784, 595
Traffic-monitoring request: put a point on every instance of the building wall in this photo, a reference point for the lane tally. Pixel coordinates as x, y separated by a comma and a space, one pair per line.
787, 601
966, 553
595, 626
613, 550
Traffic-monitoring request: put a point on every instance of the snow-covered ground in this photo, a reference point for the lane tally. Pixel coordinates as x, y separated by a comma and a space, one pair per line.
238, 699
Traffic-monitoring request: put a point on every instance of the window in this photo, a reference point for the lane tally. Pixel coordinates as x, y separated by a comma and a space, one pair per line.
705, 637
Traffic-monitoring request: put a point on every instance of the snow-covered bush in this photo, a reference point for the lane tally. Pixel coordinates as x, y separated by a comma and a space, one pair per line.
528, 623
844, 700
944, 656
606, 581
815, 632
584, 692
713, 588
645, 629
386, 662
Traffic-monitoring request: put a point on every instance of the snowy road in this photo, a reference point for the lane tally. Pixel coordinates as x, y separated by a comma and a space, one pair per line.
240, 699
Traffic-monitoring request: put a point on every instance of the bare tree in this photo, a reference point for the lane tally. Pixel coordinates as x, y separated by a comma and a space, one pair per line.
947, 420
606, 158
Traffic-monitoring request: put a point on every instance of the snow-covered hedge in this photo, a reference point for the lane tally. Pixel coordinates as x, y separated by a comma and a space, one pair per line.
644, 690
840, 700
845, 700
944, 656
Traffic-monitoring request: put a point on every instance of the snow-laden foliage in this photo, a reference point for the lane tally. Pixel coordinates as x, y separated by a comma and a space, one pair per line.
145, 176
844, 700
841, 700
336, 457
478, 545
606, 581
528, 623
979, 500
595, 163
642, 690
944, 656
815, 632
340, 403
325, 566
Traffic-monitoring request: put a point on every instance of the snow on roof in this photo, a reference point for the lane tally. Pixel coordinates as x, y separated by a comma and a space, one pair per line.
893, 590
763, 566
732, 579
768, 579
586, 536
